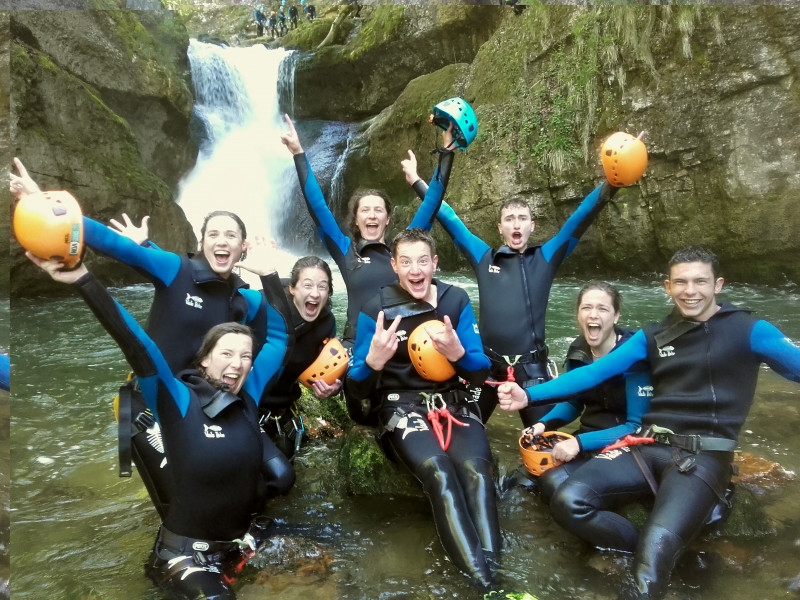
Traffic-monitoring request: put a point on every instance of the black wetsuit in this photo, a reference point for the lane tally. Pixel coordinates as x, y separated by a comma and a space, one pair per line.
458, 482
276, 406
365, 266
189, 299
605, 414
704, 378
293, 17
220, 460
514, 289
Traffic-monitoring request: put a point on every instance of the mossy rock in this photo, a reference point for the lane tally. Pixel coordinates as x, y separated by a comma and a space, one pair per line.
363, 468
746, 518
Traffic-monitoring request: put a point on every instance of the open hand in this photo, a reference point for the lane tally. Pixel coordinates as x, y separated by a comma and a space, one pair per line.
138, 234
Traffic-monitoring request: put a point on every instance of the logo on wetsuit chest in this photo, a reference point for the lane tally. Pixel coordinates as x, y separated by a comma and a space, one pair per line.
494, 269
213, 431
666, 351
402, 335
364, 260
194, 301
645, 391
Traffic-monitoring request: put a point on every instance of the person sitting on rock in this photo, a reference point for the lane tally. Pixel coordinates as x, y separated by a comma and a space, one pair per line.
704, 359
426, 421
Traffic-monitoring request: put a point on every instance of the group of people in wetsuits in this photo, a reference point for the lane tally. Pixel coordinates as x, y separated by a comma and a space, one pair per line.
278, 22
686, 382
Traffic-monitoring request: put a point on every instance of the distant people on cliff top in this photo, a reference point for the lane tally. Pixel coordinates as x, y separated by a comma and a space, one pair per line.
260, 18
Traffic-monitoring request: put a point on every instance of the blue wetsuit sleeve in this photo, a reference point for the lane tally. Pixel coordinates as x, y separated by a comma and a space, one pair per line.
637, 400
471, 246
157, 265
474, 364
328, 229
140, 351
579, 380
567, 238
5, 372
361, 379
775, 349
432, 199
563, 413
271, 360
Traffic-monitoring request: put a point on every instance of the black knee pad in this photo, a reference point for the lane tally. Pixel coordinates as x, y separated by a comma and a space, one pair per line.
279, 474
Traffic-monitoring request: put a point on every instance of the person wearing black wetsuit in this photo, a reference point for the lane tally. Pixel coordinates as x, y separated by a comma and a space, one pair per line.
457, 478
293, 17
363, 257
220, 460
514, 286
192, 294
704, 360
605, 414
308, 290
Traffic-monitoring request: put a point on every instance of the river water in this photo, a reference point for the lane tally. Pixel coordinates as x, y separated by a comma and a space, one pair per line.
80, 532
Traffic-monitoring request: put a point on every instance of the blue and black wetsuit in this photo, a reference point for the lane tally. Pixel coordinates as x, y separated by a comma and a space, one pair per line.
365, 266
189, 299
605, 414
458, 482
277, 404
221, 463
704, 378
514, 289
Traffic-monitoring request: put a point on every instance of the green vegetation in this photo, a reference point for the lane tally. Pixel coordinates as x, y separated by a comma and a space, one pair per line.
558, 65
385, 22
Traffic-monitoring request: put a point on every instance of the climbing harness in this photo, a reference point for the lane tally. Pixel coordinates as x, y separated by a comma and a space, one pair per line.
435, 413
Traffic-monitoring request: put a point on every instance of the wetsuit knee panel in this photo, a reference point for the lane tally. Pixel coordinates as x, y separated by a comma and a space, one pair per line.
572, 500
279, 475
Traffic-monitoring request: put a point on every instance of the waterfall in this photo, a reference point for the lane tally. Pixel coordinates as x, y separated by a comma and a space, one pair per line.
241, 165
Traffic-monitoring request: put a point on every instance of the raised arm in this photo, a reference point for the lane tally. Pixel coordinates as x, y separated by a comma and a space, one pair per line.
470, 245
140, 351
563, 243
157, 265
327, 227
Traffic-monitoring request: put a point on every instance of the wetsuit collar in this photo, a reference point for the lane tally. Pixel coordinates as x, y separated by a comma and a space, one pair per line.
212, 400
362, 243
202, 273
674, 325
397, 301
506, 250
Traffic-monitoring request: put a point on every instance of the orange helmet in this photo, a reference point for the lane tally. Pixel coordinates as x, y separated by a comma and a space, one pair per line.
329, 366
624, 159
50, 225
428, 362
537, 450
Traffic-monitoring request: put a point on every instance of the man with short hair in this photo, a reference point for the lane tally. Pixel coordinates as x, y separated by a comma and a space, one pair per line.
425, 420
514, 284
704, 359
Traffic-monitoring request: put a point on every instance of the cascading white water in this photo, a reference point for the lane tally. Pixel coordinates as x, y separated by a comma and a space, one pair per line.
242, 165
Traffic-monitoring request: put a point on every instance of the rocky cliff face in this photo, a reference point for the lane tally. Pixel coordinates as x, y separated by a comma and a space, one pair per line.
716, 89
100, 106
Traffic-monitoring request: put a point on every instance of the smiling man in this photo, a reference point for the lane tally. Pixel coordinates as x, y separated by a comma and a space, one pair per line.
514, 284
704, 360
454, 469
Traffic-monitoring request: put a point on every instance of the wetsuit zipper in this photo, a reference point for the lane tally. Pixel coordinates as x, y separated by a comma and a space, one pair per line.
710, 376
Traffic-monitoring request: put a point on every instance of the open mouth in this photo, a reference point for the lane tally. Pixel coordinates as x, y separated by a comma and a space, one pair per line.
516, 238
221, 257
231, 379
418, 286
593, 331
311, 308
372, 229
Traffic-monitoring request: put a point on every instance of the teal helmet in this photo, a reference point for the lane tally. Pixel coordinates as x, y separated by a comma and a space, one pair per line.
461, 115
260, 7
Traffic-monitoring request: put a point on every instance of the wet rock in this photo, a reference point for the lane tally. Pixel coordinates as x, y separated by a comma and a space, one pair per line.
759, 473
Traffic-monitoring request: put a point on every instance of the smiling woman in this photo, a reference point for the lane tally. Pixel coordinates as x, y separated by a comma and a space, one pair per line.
223, 241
